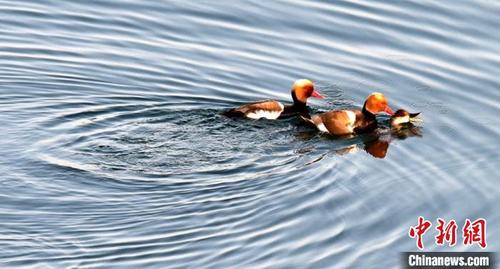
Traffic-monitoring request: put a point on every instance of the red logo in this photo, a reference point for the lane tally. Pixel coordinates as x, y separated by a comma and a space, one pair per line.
472, 232
475, 232
419, 231
446, 232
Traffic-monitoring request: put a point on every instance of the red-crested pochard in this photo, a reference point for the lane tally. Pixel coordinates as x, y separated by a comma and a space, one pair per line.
345, 122
302, 89
401, 117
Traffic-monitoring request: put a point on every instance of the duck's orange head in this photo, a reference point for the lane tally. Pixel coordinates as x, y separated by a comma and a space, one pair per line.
376, 103
302, 89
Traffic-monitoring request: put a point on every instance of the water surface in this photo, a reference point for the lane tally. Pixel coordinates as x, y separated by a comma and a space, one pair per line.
115, 155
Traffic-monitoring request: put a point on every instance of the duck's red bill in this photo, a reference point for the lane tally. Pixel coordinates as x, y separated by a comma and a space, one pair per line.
389, 111
316, 94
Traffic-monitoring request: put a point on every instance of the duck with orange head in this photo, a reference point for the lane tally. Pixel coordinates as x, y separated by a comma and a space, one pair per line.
402, 117
346, 122
301, 91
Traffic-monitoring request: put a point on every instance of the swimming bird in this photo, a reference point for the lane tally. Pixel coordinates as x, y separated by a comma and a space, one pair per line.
302, 89
401, 117
345, 122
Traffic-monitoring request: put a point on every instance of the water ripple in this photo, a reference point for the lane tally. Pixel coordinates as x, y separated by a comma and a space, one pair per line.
115, 153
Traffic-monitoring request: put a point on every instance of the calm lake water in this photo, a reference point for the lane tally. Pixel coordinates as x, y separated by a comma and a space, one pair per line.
114, 153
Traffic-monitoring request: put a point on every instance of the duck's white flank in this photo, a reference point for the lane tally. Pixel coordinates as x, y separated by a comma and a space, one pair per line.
400, 120
322, 127
271, 115
352, 119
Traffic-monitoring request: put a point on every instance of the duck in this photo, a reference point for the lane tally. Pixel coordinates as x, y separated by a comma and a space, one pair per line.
347, 122
302, 90
402, 117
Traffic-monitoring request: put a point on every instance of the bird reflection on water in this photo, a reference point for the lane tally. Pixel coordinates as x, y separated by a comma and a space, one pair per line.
379, 146
375, 143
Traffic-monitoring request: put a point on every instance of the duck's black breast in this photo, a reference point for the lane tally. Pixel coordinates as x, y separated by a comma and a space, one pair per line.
295, 111
365, 122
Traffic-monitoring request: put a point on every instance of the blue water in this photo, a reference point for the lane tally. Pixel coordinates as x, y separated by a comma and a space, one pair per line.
114, 153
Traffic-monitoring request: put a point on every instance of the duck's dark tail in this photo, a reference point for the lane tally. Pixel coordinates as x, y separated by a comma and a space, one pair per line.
307, 120
233, 113
413, 115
